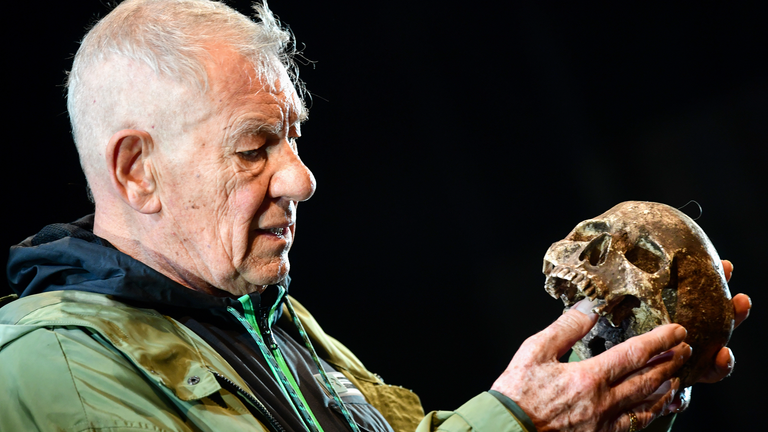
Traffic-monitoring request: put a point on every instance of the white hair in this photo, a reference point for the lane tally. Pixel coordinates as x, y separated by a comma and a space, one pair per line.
170, 38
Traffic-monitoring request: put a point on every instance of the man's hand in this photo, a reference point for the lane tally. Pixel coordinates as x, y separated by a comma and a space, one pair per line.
595, 394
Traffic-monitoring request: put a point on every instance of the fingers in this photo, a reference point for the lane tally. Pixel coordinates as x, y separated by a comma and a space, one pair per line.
625, 420
724, 362
663, 397
742, 304
635, 353
560, 336
668, 392
640, 386
679, 403
653, 407
727, 269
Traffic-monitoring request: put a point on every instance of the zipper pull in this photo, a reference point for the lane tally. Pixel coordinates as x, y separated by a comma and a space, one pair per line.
266, 331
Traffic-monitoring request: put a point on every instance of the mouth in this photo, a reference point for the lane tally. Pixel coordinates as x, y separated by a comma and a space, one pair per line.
571, 285
276, 232
567, 283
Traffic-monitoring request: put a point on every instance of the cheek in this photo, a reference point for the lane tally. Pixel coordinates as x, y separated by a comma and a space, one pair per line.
245, 201
243, 206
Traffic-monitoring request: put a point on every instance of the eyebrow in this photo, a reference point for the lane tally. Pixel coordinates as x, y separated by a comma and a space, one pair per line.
251, 126
257, 123
300, 115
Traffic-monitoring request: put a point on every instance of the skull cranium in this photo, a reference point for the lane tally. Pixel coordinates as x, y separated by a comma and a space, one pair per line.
646, 264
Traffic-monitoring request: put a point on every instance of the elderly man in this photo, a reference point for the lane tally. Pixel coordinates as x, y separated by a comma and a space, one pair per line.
168, 310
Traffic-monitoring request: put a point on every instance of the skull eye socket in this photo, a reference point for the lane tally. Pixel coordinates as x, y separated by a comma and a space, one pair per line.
645, 255
588, 230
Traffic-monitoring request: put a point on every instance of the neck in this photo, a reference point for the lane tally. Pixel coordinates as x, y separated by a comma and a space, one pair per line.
136, 243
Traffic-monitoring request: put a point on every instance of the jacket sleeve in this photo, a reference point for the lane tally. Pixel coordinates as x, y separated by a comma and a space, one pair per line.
61, 379
483, 413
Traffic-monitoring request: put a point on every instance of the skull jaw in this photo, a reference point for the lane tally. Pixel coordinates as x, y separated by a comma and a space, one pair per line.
606, 333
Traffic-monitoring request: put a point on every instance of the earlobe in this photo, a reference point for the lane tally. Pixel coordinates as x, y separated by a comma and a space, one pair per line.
129, 162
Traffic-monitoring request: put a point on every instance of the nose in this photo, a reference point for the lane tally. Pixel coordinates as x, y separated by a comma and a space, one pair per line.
597, 250
292, 179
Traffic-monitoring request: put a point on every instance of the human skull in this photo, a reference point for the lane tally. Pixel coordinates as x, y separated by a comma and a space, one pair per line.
647, 264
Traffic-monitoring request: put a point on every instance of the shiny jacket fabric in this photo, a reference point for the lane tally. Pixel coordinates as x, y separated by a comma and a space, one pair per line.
77, 360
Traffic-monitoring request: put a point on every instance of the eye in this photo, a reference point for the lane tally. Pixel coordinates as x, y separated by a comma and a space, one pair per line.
589, 229
251, 155
645, 255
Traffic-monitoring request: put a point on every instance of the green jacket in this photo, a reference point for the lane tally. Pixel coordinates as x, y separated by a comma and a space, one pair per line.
77, 361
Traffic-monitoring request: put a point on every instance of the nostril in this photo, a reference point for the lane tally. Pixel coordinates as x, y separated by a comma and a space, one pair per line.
597, 250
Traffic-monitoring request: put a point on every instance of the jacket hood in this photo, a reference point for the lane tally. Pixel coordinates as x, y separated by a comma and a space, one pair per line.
71, 257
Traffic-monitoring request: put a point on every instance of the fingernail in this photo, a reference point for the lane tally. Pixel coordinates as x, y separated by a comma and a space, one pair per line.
673, 407
664, 387
585, 306
731, 362
662, 357
680, 334
687, 352
675, 386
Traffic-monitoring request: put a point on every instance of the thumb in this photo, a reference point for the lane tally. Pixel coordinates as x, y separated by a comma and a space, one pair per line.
569, 328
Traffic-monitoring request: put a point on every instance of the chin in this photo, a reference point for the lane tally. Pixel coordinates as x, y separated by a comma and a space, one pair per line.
270, 274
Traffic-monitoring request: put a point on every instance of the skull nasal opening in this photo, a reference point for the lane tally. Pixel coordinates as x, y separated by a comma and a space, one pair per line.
597, 250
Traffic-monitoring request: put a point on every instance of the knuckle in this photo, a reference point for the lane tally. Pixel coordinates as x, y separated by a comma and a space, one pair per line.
533, 341
570, 322
633, 355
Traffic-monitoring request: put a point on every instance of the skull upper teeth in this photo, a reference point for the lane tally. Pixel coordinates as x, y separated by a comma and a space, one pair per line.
575, 277
276, 231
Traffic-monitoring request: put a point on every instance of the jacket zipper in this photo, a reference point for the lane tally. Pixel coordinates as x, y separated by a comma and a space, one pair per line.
277, 427
266, 331
290, 391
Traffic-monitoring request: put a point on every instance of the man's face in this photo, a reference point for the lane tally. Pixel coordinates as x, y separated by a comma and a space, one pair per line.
230, 184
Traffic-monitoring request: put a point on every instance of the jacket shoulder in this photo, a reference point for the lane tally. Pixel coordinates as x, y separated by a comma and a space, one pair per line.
102, 364
62, 378
166, 351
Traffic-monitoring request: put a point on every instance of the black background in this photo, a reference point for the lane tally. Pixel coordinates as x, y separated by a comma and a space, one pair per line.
453, 142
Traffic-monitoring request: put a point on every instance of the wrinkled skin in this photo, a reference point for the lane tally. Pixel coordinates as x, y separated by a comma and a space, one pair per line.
214, 206
593, 395
237, 176
646, 264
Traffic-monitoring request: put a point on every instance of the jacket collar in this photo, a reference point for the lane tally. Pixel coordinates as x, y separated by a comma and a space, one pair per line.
71, 257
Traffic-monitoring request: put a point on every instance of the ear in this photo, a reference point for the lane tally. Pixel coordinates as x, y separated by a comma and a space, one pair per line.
129, 162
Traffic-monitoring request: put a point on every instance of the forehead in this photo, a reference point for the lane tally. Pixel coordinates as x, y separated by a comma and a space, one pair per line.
238, 87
